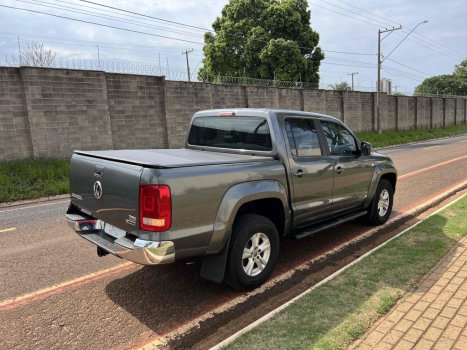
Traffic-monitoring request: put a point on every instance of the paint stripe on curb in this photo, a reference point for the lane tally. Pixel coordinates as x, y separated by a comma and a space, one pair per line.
335, 274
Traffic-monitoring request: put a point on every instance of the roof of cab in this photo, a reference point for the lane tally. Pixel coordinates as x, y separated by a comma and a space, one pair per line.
264, 110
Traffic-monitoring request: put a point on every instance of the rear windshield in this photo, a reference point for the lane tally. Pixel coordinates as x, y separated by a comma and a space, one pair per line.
250, 133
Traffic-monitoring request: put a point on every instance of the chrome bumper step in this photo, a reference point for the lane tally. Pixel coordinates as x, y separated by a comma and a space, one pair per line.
100, 239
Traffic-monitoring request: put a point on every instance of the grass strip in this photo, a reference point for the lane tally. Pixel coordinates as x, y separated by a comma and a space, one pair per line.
341, 310
389, 138
33, 178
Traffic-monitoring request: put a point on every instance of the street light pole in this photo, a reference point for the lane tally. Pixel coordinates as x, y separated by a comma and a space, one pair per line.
378, 83
378, 90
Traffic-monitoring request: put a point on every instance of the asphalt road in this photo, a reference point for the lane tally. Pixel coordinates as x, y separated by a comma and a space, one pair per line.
126, 307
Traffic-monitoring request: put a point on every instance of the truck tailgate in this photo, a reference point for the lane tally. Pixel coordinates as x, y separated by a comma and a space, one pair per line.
107, 189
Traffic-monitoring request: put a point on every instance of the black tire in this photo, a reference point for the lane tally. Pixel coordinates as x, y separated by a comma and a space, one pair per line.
243, 229
376, 217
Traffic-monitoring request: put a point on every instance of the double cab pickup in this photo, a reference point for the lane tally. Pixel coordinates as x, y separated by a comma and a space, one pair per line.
245, 179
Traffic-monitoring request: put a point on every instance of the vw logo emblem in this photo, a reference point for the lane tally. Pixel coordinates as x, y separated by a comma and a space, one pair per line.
98, 189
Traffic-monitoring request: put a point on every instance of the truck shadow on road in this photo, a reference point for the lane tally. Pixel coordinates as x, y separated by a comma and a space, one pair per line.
167, 296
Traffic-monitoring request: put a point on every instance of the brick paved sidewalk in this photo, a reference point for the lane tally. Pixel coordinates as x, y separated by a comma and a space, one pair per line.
433, 317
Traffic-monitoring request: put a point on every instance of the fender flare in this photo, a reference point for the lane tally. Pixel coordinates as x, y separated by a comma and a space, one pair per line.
380, 170
215, 260
234, 198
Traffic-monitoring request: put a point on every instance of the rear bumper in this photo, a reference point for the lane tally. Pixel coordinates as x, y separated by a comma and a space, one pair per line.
136, 250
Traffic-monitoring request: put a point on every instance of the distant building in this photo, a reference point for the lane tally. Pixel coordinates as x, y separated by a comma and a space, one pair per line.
386, 86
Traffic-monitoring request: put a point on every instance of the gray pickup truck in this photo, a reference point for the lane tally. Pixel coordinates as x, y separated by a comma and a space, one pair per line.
246, 178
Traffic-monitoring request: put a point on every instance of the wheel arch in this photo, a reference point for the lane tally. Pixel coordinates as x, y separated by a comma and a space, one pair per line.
382, 171
254, 197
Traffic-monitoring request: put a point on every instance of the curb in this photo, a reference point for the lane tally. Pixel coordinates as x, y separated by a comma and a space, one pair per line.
162, 340
34, 201
417, 142
335, 274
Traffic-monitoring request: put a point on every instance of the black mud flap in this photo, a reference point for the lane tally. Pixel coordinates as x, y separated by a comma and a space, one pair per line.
213, 267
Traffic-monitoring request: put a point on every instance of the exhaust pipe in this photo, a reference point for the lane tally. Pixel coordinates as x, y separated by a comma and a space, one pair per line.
101, 252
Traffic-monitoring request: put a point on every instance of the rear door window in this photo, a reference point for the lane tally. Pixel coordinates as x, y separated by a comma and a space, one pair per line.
303, 137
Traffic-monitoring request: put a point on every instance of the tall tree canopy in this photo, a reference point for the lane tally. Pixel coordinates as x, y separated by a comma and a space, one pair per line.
260, 38
447, 84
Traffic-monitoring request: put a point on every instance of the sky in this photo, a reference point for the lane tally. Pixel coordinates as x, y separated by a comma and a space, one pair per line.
432, 49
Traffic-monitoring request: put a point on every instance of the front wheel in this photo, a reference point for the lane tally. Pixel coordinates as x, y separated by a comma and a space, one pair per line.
253, 252
382, 203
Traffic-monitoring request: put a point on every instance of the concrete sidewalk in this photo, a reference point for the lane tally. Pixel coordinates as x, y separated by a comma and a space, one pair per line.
433, 317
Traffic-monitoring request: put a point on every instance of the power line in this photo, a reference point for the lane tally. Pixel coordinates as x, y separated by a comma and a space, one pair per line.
99, 15
408, 67
410, 39
102, 25
401, 75
342, 8
399, 25
210, 30
358, 19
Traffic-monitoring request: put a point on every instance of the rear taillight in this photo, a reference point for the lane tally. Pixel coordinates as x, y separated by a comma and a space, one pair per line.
155, 208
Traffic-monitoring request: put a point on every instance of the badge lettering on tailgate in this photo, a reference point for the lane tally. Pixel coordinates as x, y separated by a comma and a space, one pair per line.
131, 220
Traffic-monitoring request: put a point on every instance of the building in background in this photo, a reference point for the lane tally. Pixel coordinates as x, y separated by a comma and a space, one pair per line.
386, 86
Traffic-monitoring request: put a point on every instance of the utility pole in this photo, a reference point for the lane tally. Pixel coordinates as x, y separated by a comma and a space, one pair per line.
395, 87
19, 53
187, 63
378, 114
98, 56
378, 83
352, 74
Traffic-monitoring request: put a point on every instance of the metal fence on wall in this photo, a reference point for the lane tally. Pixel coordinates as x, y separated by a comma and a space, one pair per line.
142, 69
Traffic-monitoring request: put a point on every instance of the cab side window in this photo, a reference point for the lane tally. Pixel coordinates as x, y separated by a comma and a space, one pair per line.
339, 139
303, 137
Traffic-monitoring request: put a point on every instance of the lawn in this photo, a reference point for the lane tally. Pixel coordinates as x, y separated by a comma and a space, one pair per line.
389, 138
33, 178
340, 311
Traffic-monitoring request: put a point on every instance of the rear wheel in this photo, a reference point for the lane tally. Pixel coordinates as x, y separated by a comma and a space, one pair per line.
382, 203
253, 252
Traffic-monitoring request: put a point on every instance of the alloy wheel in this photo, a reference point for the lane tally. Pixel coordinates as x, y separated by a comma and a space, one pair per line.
256, 254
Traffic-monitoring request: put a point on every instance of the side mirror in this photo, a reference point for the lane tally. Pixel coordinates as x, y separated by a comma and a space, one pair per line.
367, 149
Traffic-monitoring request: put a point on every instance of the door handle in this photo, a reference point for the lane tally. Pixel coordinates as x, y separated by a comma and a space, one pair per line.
339, 170
299, 173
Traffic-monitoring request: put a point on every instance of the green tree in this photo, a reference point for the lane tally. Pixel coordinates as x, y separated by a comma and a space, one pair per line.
263, 38
461, 69
342, 86
447, 84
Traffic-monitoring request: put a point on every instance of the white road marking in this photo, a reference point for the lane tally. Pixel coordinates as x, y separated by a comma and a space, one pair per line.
33, 206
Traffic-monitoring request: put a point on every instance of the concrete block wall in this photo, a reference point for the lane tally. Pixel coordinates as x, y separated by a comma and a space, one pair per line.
391, 113
15, 138
423, 112
229, 96
67, 110
262, 97
352, 109
437, 107
335, 104
314, 101
182, 100
136, 111
291, 99
367, 119
46, 112
449, 112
